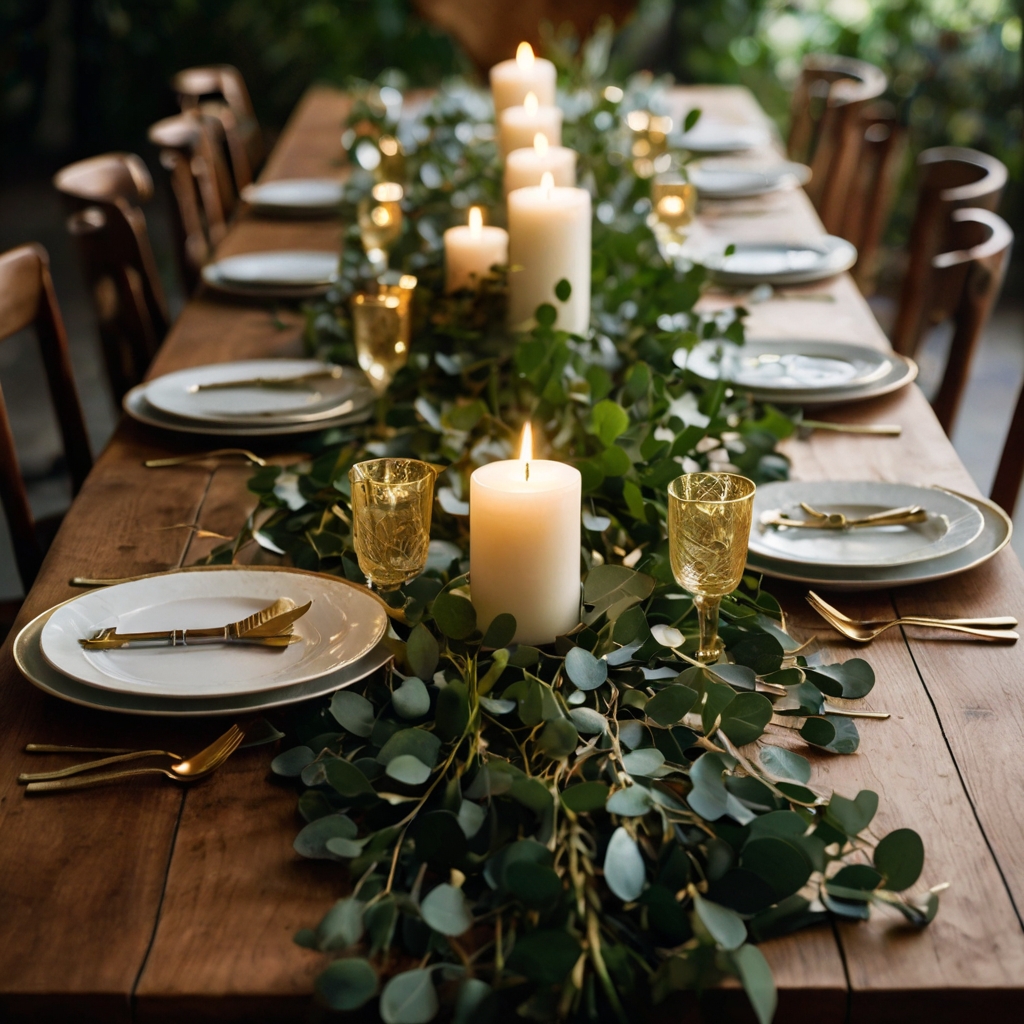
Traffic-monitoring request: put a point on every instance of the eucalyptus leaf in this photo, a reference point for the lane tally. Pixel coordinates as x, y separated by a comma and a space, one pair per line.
585, 797
422, 651
785, 764
411, 699
588, 722
418, 742
353, 712
445, 909
669, 705
500, 632
291, 762
408, 769
899, 857
624, 866
757, 980
745, 717
629, 802
409, 998
342, 925
347, 984
312, 840
586, 671
645, 761
725, 926
471, 817
852, 816
472, 993
544, 956
454, 615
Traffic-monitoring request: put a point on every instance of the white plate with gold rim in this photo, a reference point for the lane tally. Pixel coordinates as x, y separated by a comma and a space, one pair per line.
780, 263
720, 179
302, 197
344, 622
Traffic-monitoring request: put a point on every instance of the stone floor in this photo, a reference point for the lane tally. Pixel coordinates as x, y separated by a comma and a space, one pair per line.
32, 212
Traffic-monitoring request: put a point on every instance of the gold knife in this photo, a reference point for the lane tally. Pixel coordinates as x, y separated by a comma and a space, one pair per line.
334, 373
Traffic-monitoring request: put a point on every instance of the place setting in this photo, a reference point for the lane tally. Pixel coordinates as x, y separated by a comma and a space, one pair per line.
745, 264
295, 197
744, 179
284, 274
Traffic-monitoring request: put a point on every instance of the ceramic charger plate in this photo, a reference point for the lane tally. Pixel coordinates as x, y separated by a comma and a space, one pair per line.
781, 263
711, 136
181, 394
306, 197
995, 535
344, 623
283, 274
717, 179
953, 523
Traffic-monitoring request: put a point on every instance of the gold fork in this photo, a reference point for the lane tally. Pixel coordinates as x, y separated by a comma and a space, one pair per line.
197, 767
181, 460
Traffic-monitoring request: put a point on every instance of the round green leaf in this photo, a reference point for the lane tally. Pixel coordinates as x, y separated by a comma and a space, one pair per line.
645, 761
586, 671
856, 876
536, 885
900, 858
609, 420
778, 862
472, 992
422, 652
312, 840
342, 925
630, 802
411, 699
418, 742
408, 769
546, 314
471, 817
669, 705
725, 926
818, 731
624, 866
353, 712
452, 714
291, 762
585, 797
345, 778
445, 909
347, 984
497, 707
757, 980
545, 956
852, 816
500, 632
454, 615
409, 998
851, 679
745, 717
588, 722
563, 290
785, 764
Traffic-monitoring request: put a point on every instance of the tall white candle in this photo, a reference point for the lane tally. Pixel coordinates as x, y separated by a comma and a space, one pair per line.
518, 126
549, 239
511, 80
524, 545
525, 167
470, 250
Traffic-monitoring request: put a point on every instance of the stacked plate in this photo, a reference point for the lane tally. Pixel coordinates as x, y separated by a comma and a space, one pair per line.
273, 275
780, 263
957, 533
711, 136
799, 372
718, 179
295, 197
253, 398
339, 645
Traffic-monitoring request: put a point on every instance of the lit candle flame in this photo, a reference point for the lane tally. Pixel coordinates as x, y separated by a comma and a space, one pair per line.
526, 448
530, 103
524, 56
540, 143
476, 221
547, 183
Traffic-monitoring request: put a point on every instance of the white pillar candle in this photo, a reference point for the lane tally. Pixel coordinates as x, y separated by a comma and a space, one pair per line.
525, 167
470, 250
524, 545
518, 126
511, 80
549, 239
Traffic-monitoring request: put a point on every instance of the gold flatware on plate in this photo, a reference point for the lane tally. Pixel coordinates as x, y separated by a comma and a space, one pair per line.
90, 581
217, 453
837, 521
335, 373
195, 768
865, 631
270, 627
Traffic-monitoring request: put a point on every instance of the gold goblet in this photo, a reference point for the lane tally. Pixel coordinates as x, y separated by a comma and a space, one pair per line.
708, 529
674, 203
391, 505
380, 221
380, 324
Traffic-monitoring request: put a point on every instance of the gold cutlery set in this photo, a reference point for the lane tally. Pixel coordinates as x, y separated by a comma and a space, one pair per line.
838, 521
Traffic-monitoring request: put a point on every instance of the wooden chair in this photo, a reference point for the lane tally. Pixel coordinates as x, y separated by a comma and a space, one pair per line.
950, 177
219, 91
827, 128
27, 299
1010, 473
190, 151
104, 195
971, 275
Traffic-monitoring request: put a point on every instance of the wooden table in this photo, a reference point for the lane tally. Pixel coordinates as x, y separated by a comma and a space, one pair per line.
159, 903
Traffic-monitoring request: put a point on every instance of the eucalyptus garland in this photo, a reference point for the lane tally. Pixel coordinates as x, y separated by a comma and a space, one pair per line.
575, 831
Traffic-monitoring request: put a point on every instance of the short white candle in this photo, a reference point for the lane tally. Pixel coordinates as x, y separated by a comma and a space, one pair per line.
470, 250
511, 80
524, 545
525, 167
518, 126
549, 239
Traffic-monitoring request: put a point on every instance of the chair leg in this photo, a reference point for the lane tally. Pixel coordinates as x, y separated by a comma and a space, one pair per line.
1011, 462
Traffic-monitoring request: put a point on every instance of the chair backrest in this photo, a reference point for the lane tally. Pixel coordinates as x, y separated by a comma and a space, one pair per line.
826, 130
219, 91
873, 189
27, 299
104, 195
971, 275
949, 177
190, 151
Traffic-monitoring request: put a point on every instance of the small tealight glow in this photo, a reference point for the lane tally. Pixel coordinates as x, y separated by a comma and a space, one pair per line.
524, 56
388, 145
476, 221
638, 120
388, 192
408, 281
540, 143
381, 216
671, 206
613, 94
530, 103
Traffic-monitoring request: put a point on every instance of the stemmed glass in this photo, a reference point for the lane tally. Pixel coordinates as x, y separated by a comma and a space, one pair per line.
391, 504
674, 204
382, 329
380, 222
708, 528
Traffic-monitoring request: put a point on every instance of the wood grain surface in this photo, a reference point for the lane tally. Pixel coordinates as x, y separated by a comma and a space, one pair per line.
158, 904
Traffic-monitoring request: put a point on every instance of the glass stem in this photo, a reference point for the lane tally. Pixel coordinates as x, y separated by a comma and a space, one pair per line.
707, 619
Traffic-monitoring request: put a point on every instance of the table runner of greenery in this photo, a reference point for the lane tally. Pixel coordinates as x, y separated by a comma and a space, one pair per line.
579, 830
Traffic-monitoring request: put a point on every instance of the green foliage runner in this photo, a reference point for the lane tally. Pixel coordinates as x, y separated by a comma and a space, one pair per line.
579, 830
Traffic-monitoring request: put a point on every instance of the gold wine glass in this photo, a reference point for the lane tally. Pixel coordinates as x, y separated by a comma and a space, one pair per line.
708, 529
380, 324
391, 505
674, 203
380, 221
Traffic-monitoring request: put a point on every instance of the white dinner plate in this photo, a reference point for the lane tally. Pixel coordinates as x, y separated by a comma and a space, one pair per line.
781, 263
718, 179
29, 658
136, 405
176, 394
304, 197
274, 275
711, 136
994, 536
344, 623
953, 523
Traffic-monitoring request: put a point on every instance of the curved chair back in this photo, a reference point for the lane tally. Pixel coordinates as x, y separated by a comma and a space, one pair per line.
826, 129
949, 177
190, 151
219, 91
971, 275
104, 195
27, 299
